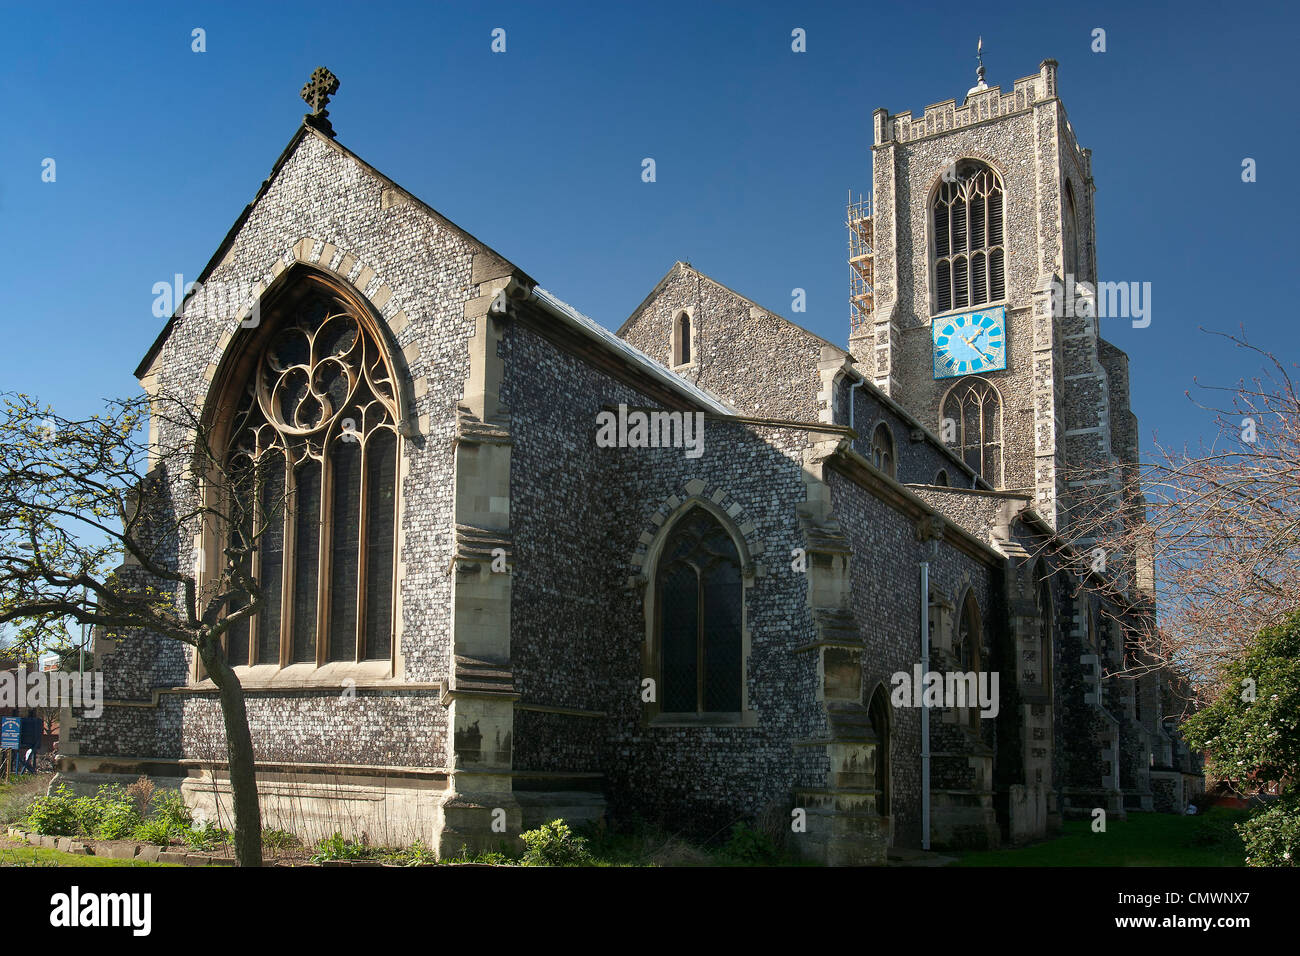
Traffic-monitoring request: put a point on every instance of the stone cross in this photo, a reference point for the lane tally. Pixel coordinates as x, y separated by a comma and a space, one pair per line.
317, 92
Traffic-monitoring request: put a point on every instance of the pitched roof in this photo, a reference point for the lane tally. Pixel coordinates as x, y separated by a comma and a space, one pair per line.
680, 266
587, 327
299, 135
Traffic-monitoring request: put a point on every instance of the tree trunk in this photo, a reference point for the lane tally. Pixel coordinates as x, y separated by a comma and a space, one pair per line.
239, 749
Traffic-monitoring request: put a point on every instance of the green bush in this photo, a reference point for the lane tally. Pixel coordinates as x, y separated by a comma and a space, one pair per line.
54, 814
554, 844
206, 836
417, 854
1272, 837
273, 839
157, 832
118, 819
89, 812
169, 807
335, 847
750, 847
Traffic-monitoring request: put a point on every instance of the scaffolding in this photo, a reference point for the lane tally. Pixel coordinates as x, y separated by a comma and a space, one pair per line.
862, 270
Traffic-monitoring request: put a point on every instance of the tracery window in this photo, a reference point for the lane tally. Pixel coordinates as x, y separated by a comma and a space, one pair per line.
882, 450
313, 445
700, 606
974, 409
966, 227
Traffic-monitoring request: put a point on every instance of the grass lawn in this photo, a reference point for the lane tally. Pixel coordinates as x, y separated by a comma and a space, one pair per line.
1144, 839
12, 855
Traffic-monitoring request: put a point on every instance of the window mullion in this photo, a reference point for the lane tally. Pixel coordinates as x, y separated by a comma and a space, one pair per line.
257, 525
699, 641
363, 521
290, 562
324, 559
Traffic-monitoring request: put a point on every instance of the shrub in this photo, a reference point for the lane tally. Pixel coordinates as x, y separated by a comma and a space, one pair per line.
273, 839
118, 819
206, 836
169, 807
334, 847
1272, 838
89, 812
141, 793
53, 814
417, 854
749, 847
158, 832
554, 844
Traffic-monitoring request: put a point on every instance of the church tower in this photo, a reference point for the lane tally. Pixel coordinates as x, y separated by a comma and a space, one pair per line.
978, 211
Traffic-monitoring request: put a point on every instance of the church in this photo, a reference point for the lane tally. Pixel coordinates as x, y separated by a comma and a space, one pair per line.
688, 572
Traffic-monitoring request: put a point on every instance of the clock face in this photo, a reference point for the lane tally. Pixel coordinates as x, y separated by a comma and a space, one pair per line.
969, 343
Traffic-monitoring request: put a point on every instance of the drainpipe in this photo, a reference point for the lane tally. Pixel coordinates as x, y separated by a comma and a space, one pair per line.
925, 711
858, 384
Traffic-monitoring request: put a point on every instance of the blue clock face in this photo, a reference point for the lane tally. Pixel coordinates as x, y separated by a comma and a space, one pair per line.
969, 343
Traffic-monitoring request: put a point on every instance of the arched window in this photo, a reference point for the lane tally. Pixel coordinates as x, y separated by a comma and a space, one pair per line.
1069, 233
970, 635
700, 603
969, 253
882, 450
313, 445
880, 725
682, 339
941, 479
975, 411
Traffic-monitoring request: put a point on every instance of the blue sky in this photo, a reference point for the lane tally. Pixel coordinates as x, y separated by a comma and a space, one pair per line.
538, 152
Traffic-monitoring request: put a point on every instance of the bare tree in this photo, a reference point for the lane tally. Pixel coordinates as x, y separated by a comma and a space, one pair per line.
1210, 534
96, 523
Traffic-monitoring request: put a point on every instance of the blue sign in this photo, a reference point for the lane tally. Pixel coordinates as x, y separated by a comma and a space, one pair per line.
10, 730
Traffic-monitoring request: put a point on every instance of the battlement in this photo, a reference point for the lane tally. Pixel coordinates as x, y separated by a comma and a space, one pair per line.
979, 106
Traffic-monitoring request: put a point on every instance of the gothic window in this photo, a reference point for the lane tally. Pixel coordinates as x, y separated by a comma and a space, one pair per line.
700, 601
882, 449
966, 646
313, 445
941, 479
880, 721
1069, 233
682, 340
974, 409
966, 228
